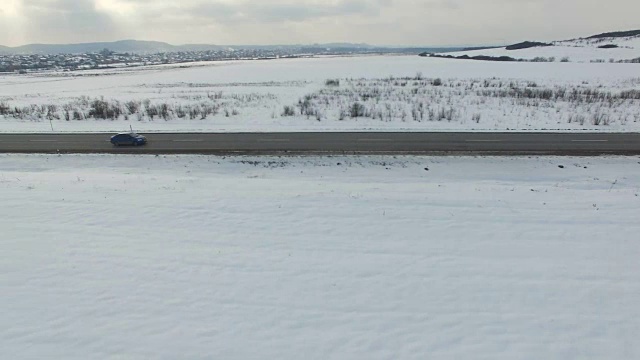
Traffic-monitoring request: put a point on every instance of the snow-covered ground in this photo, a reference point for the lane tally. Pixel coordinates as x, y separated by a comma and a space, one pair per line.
577, 50
194, 257
397, 93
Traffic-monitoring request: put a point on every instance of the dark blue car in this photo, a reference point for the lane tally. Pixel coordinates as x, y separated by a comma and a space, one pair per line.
132, 139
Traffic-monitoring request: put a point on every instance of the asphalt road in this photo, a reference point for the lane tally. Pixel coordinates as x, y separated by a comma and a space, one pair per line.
334, 142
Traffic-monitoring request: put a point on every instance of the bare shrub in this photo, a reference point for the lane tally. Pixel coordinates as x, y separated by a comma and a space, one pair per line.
207, 110
163, 111
306, 106
215, 96
581, 119
132, 107
288, 111
77, 115
417, 112
180, 112
600, 118
630, 94
101, 109
52, 112
194, 112
343, 114
356, 110
4, 108
152, 111
332, 82
540, 59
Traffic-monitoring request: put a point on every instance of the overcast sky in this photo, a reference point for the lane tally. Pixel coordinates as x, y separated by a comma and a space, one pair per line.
378, 22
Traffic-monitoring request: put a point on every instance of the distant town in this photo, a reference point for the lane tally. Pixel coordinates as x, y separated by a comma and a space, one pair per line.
105, 59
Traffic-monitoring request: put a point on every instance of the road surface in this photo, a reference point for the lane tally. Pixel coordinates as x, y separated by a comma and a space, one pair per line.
334, 142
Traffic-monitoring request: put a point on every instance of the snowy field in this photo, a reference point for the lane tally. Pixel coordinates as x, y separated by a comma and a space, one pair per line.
194, 257
388, 93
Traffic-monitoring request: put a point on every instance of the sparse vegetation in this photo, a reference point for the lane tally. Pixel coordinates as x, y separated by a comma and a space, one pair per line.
102, 109
403, 99
399, 99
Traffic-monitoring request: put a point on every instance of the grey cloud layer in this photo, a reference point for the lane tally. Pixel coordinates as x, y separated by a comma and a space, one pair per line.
66, 18
433, 22
266, 11
282, 12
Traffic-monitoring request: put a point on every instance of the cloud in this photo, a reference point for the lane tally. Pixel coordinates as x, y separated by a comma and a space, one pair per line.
389, 22
266, 11
298, 12
59, 20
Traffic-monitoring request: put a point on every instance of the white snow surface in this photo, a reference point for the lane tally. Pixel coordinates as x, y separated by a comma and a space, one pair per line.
577, 50
195, 257
251, 96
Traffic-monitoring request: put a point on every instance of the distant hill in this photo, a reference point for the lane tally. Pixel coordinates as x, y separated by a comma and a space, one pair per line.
616, 34
131, 46
605, 47
473, 48
344, 45
526, 45
136, 46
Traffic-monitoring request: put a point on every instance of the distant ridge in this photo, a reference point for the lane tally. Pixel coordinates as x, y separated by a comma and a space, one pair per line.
616, 34
615, 46
133, 46
137, 46
526, 45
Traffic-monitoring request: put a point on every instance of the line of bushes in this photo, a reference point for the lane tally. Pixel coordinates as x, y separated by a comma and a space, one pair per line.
421, 99
102, 109
575, 95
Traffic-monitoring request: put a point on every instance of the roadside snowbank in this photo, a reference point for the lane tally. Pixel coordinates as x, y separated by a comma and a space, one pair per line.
328, 258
